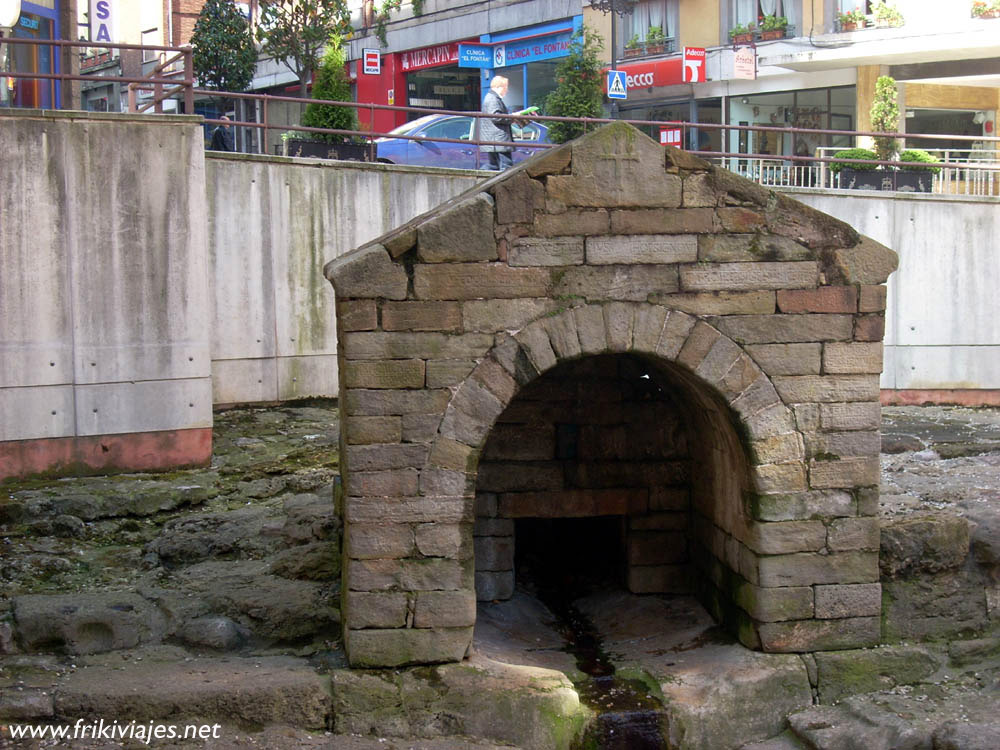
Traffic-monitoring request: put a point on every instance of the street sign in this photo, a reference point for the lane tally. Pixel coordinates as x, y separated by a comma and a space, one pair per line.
475, 56
373, 61
694, 65
616, 85
745, 63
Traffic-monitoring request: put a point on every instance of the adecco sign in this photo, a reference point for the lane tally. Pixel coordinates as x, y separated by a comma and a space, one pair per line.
651, 74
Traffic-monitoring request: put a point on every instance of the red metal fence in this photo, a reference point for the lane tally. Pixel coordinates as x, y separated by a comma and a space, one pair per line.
173, 78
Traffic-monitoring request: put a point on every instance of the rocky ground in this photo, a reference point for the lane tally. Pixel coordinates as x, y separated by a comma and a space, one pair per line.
206, 594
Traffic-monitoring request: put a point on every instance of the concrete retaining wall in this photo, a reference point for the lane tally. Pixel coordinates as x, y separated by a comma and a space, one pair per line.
273, 223
104, 293
129, 305
942, 328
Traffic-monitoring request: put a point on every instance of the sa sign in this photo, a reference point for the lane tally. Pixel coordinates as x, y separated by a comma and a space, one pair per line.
102, 20
694, 65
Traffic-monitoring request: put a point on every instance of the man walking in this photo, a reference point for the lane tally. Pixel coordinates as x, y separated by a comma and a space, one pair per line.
498, 129
221, 138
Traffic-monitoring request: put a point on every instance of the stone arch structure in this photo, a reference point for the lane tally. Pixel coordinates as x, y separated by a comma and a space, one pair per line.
763, 317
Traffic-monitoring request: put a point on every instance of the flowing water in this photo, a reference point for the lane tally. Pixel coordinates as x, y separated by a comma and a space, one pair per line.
628, 715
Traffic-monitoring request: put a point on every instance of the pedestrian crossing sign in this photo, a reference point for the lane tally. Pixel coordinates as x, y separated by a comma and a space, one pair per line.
616, 85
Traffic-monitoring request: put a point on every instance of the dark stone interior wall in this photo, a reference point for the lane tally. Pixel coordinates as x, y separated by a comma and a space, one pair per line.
597, 437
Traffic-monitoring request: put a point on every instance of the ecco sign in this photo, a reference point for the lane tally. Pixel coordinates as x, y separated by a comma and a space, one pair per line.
651, 74
639, 80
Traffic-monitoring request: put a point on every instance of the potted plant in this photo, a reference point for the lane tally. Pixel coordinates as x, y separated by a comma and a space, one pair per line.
773, 27
655, 41
331, 84
633, 47
917, 178
986, 9
885, 117
887, 15
852, 19
742, 33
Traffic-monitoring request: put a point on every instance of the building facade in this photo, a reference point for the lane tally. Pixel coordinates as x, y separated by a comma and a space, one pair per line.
816, 74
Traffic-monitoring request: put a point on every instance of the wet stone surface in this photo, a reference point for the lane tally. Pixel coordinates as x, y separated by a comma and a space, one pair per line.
227, 577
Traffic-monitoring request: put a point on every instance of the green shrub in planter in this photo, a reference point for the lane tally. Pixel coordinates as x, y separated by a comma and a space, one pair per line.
332, 84
854, 153
918, 157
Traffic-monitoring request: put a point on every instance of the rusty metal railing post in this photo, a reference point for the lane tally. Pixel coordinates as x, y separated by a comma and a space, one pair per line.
264, 120
188, 81
371, 138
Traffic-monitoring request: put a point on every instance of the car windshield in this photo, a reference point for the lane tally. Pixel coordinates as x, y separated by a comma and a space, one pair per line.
408, 127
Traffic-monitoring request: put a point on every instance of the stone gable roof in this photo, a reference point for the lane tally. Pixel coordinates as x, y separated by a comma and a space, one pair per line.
615, 181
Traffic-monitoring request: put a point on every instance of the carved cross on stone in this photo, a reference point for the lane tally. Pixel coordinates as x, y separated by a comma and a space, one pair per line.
616, 171
616, 168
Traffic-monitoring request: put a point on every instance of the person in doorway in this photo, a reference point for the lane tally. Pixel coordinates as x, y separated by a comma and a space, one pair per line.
499, 129
222, 139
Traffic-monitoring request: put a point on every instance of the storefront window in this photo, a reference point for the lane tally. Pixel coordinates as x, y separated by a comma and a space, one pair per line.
32, 58
448, 87
708, 111
946, 122
809, 109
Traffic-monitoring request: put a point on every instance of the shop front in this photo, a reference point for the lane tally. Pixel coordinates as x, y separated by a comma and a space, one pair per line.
37, 21
455, 75
527, 57
428, 77
656, 92
829, 108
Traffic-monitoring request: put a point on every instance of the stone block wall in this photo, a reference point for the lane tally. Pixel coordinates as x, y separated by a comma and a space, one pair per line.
758, 316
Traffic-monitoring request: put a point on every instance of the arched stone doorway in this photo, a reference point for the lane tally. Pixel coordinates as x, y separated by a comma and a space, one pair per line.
760, 319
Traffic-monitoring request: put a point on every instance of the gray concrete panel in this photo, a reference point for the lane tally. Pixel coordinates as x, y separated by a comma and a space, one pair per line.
299, 377
249, 209
244, 381
34, 362
919, 367
146, 406
34, 281
137, 248
36, 412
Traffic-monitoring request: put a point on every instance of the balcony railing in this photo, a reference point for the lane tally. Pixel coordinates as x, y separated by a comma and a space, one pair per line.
972, 171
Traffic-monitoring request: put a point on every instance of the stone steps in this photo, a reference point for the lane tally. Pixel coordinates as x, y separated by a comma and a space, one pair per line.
438, 707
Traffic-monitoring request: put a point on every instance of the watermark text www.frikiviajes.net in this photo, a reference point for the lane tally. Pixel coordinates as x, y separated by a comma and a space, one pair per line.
99, 729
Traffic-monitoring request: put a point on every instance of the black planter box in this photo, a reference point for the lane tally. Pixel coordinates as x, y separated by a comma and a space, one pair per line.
914, 181
904, 182
323, 150
866, 179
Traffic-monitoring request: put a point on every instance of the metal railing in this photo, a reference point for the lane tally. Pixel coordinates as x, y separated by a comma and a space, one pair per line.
181, 81
960, 172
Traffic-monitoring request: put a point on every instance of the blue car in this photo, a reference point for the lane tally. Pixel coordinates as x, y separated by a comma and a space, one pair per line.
425, 153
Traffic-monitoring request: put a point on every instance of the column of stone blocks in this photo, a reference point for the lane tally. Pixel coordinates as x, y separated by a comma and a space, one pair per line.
494, 545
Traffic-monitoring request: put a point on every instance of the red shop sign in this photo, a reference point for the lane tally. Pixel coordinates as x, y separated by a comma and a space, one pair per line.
429, 57
657, 73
